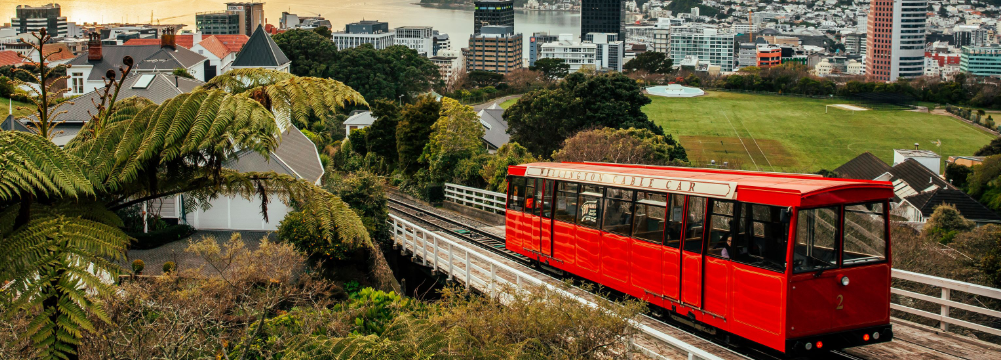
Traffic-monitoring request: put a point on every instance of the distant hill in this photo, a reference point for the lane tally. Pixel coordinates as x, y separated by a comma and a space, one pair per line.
685, 6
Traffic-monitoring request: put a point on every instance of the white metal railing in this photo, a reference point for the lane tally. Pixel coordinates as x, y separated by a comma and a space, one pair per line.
489, 275
945, 302
476, 198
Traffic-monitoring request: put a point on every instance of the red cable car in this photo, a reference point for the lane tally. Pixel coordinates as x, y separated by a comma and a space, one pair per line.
796, 263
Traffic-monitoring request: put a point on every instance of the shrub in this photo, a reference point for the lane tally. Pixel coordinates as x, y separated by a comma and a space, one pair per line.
945, 223
6, 87
295, 230
137, 266
377, 308
169, 267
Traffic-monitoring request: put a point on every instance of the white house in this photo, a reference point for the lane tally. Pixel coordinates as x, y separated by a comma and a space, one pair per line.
88, 70
359, 119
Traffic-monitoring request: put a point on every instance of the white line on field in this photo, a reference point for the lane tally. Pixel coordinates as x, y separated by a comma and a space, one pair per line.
741, 141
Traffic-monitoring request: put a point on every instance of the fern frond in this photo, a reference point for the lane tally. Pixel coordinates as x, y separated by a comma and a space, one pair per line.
32, 165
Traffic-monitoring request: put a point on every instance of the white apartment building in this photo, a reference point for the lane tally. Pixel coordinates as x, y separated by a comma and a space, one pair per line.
379, 41
854, 68
705, 43
419, 38
574, 53
661, 35
610, 51
448, 63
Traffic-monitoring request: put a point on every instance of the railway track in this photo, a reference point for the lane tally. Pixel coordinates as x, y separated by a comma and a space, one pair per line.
495, 243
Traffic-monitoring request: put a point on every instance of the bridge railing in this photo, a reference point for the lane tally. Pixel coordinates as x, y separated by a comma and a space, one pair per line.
489, 275
489, 201
945, 300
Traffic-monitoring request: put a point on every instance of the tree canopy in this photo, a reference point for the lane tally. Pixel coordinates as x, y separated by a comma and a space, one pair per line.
551, 68
624, 146
414, 130
385, 74
651, 61
311, 53
542, 119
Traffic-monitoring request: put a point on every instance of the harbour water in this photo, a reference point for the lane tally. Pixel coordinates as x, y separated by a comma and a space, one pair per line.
457, 23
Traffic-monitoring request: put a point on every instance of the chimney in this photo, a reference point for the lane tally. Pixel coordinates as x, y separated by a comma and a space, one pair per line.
94, 47
915, 146
168, 39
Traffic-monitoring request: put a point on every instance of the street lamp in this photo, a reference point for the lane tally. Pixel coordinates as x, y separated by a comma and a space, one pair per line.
401, 100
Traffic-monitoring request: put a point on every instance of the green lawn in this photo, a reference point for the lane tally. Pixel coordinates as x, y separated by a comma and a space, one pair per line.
791, 134
508, 103
5, 108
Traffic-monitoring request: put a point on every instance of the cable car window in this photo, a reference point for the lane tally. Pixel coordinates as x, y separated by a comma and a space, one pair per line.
566, 202
675, 215
530, 197
651, 211
590, 206
721, 230
761, 238
865, 234
618, 211
547, 199
816, 240
539, 198
516, 194
696, 223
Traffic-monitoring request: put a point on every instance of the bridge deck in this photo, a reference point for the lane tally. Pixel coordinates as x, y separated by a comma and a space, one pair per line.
911, 340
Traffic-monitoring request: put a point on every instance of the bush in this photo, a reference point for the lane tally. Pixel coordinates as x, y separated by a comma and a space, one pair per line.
169, 267
945, 223
155, 239
137, 266
6, 87
377, 309
295, 230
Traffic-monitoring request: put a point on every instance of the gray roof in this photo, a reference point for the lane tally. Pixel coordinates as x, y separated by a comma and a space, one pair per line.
147, 57
363, 117
494, 126
866, 166
296, 155
971, 209
260, 51
160, 89
9, 124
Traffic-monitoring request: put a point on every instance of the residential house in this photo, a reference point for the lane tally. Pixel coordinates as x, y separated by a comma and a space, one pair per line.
88, 70
917, 189
261, 52
494, 128
358, 119
220, 50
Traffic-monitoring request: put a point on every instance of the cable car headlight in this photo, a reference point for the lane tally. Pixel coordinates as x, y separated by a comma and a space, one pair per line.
809, 346
844, 281
875, 335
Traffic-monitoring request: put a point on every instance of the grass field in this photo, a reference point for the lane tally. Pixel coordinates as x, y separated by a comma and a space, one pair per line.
508, 103
775, 133
5, 108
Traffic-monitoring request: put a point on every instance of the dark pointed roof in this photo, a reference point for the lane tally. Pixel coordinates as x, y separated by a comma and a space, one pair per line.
10, 124
917, 176
147, 57
863, 167
971, 209
260, 51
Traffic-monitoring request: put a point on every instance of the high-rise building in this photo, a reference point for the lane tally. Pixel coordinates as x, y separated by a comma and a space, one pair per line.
492, 12
419, 38
602, 16
981, 60
218, 23
495, 49
895, 39
439, 43
251, 15
535, 45
365, 32
609, 50
705, 44
34, 18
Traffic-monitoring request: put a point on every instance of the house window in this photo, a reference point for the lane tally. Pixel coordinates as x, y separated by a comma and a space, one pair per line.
78, 83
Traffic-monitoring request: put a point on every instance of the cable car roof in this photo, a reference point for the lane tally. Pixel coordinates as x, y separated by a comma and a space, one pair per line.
748, 186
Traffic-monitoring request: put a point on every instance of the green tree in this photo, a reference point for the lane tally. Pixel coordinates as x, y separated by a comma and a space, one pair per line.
624, 146
182, 72
481, 78
391, 73
957, 174
311, 53
364, 192
542, 119
59, 235
324, 32
552, 69
382, 134
993, 148
945, 223
414, 131
651, 62
359, 144
495, 171
456, 135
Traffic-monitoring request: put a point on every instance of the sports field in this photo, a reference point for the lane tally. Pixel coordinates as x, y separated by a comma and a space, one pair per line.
791, 134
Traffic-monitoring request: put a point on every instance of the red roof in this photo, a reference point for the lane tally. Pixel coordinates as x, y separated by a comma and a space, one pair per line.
216, 47
10, 57
185, 41
233, 42
749, 186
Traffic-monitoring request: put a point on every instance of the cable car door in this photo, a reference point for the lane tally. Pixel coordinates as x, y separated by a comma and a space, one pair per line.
533, 193
545, 194
691, 253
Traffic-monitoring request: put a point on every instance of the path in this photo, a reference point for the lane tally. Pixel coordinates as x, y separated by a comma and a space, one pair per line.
154, 258
498, 101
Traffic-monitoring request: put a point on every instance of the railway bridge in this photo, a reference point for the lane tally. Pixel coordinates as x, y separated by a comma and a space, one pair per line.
472, 253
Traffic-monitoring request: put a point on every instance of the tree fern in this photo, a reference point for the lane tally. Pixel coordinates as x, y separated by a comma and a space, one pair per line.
32, 165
